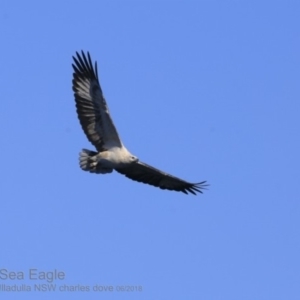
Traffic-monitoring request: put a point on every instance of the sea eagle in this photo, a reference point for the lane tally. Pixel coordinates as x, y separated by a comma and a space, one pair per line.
100, 130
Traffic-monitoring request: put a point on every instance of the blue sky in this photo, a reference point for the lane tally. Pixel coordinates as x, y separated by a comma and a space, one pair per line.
204, 90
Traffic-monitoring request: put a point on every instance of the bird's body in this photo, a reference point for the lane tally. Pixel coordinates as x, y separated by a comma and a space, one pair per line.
96, 122
115, 157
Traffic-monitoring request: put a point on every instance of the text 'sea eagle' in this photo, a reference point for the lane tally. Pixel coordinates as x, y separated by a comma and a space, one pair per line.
100, 130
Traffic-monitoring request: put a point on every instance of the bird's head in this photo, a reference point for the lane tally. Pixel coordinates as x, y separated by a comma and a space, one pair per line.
133, 158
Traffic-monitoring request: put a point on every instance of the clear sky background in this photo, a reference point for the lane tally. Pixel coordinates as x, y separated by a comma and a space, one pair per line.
204, 90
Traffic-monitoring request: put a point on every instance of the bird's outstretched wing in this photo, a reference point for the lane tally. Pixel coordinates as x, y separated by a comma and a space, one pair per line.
142, 172
91, 106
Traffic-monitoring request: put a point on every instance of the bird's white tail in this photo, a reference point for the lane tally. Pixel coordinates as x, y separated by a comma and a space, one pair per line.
85, 159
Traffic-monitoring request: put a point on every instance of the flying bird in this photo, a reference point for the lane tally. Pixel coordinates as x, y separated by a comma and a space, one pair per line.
97, 124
